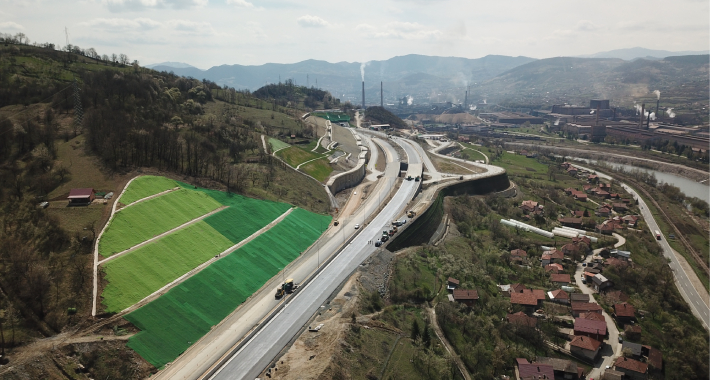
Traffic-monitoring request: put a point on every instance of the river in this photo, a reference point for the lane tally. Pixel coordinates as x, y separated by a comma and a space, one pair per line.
687, 186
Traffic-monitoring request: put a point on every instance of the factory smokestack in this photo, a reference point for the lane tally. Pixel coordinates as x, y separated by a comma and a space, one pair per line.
465, 100
643, 106
363, 94
382, 97
658, 103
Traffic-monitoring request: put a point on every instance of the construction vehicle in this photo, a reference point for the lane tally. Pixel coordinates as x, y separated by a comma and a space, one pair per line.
411, 214
287, 287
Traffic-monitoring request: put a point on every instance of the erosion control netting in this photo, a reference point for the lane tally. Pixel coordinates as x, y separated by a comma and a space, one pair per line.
138, 274
146, 186
239, 221
179, 318
145, 220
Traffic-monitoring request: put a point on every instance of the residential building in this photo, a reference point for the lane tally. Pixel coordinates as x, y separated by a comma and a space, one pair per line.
579, 297
526, 370
564, 369
559, 296
554, 268
81, 197
593, 315
553, 256
624, 312
590, 327
452, 284
632, 368
518, 255
584, 307
466, 296
585, 347
571, 222
620, 207
560, 278
528, 301
599, 282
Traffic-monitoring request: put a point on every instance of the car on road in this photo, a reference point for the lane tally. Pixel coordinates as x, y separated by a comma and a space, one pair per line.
385, 238
378, 243
584, 264
357, 226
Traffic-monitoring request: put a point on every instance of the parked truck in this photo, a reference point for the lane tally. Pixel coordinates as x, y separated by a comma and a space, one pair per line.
287, 287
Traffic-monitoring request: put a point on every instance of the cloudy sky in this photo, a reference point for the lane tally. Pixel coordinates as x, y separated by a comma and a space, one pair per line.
206, 33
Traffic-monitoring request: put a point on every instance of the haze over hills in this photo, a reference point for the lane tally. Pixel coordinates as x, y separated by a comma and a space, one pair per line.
639, 52
403, 75
177, 65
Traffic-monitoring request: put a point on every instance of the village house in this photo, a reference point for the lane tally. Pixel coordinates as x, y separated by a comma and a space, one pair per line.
580, 196
81, 197
605, 228
605, 186
617, 296
586, 347
587, 188
560, 279
593, 315
579, 297
526, 370
577, 213
630, 220
531, 207
593, 178
507, 290
452, 284
570, 249
554, 268
466, 296
564, 369
559, 296
654, 357
571, 222
572, 171
584, 307
528, 301
620, 207
632, 368
521, 319
518, 255
599, 282
590, 327
624, 313
553, 256
603, 194
603, 211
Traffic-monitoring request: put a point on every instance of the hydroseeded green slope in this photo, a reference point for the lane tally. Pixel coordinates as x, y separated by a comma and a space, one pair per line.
188, 311
145, 220
140, 273
146, 186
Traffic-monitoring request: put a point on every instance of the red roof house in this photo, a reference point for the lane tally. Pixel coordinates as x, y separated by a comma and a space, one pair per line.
624, 312
560, 278
585, 346
632, 368
81, 196
466, 296
521, 319
590, 327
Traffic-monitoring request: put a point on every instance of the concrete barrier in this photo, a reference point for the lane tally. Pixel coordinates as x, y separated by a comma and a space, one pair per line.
351, 177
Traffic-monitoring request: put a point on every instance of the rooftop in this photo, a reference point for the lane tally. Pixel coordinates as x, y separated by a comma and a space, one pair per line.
631, 365
80, 193
590, 326
624, 310
465, 294
560, 277
528, 299
586, 343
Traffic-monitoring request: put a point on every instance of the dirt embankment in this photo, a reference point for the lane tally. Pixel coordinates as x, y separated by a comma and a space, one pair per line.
312, 352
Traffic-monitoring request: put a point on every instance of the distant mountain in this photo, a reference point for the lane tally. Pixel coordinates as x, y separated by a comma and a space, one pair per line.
175, 65
415, 75
639, 52
576, 80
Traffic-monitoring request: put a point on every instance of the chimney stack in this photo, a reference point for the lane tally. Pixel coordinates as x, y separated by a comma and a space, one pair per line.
363, 94
643, 107
465, 100
382, 97
658, 103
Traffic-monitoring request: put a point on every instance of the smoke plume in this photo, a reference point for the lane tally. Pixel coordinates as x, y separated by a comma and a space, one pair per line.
410, 100
670, 112
658, 94
362, 69
638, 109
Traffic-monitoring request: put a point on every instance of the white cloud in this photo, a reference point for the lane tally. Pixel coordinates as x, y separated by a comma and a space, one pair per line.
192, 27
136, 5
399, 30
122, 24
241, 3
586, 26
9, 25
309, 21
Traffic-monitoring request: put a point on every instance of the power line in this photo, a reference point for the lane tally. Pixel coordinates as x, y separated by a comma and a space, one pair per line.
41, 101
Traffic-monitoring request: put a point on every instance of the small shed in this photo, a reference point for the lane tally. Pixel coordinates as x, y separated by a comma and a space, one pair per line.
81, 196
452, 284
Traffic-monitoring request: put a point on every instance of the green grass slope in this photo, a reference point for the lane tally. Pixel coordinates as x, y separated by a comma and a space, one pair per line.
140, 273
188, 311
147, 219
146, 186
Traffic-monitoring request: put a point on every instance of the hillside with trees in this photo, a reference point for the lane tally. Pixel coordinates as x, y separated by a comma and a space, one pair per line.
379, 115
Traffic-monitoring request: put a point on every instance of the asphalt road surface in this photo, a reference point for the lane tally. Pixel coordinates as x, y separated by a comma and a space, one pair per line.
256, 354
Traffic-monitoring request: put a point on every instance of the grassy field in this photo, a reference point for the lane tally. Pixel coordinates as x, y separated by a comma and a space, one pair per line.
258, 111
295, 156
472, 152
318, 169
147, 219
138, 274
74, 219
146, 186
277, 144
188, 311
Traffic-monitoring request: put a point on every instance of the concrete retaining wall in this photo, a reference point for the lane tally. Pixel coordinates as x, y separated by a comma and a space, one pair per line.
353, 176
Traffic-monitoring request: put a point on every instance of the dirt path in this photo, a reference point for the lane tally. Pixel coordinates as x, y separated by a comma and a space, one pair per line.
450, 349
178, 228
